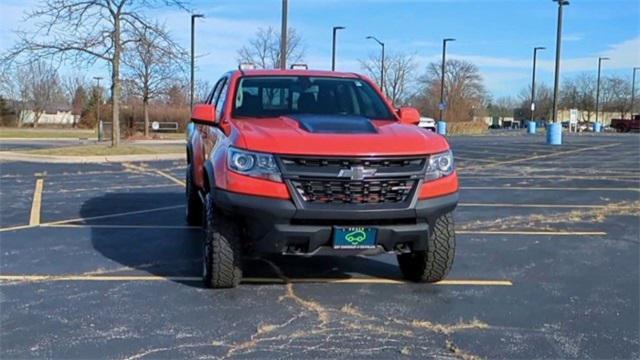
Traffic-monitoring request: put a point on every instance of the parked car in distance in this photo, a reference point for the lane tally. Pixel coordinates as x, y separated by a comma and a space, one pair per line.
626, 125
427, 123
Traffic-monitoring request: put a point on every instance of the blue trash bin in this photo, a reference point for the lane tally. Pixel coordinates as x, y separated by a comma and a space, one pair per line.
597, 127
442, 127
554, 134
531, 127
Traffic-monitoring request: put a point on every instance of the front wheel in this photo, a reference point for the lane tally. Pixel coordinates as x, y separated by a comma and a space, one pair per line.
221, 258
433, 264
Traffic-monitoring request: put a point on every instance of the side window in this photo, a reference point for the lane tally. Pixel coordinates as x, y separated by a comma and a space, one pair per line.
216, 91
221, 98
208, 98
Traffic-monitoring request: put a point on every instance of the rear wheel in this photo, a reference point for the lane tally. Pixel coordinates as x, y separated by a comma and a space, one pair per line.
433, 264
221, 255
194, 204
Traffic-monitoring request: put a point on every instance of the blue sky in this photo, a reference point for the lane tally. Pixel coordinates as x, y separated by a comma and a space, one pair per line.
497, 35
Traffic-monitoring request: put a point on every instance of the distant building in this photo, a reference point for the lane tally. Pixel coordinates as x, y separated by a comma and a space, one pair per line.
59, 117
584, 116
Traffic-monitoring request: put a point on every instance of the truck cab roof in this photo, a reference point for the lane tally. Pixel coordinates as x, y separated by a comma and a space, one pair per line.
294, 72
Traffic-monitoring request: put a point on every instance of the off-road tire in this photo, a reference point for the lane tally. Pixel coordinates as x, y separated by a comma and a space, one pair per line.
433, 264
221, 254
194, 204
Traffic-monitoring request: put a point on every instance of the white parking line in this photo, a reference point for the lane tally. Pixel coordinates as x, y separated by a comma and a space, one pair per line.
528, 188
545, 233
110, 226
249, 280
34, 218
561, 206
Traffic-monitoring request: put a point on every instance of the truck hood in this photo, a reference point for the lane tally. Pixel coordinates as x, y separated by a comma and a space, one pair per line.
335, 136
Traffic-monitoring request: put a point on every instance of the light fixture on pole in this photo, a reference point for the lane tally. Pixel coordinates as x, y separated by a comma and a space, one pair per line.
192, 86
333, 47
381, 62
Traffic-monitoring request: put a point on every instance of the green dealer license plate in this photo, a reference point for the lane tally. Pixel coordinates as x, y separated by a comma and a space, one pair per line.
354, 238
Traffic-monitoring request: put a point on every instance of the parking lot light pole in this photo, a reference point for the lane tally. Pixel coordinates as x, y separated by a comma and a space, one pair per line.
381, 62
533, 81
556, 81
100, 127
554, 132
600, 59
441, 106
193, 24
333, 47
283, 35
633, 90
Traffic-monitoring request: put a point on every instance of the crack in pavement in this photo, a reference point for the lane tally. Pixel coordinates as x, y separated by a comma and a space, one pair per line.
347, 322
163, 349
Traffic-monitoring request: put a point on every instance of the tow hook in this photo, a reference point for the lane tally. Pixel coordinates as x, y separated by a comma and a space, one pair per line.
294, 249
403, 248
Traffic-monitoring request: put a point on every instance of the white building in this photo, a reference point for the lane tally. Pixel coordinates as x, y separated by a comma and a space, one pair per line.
58, 118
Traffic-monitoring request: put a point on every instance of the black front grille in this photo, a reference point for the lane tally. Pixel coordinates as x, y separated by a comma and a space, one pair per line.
332, 166
373, 191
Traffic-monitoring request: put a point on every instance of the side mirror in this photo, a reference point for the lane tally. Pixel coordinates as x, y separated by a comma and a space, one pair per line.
204, 114
409, 115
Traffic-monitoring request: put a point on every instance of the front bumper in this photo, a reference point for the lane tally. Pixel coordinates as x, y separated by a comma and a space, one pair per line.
276, 226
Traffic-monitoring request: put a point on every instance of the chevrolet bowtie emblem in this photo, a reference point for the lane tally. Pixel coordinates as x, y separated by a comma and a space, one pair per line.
357, 172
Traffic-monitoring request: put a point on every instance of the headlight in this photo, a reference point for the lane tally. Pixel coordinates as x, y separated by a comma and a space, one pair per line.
440, 165
253, 164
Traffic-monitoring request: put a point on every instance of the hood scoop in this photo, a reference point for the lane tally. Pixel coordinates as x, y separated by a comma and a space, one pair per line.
334, 124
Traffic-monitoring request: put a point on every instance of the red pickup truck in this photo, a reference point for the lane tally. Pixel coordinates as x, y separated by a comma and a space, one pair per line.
626, 125
316, 162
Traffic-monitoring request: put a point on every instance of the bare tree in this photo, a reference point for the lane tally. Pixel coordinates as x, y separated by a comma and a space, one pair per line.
586, 85
544, 101
9, 88
72, 83
40, 88
579, 92
464, 90
203, 88
503, 107
399, 71
79, 101
86, 32
264, 50
177, 95
616, 95
152, 63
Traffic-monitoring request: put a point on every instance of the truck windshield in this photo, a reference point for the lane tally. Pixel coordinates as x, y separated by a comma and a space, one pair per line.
272, 96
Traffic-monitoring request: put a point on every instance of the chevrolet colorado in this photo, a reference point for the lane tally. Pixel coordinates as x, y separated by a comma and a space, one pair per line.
316, 162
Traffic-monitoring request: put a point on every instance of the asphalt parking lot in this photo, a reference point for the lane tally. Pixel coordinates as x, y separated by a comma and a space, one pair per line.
97, 262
